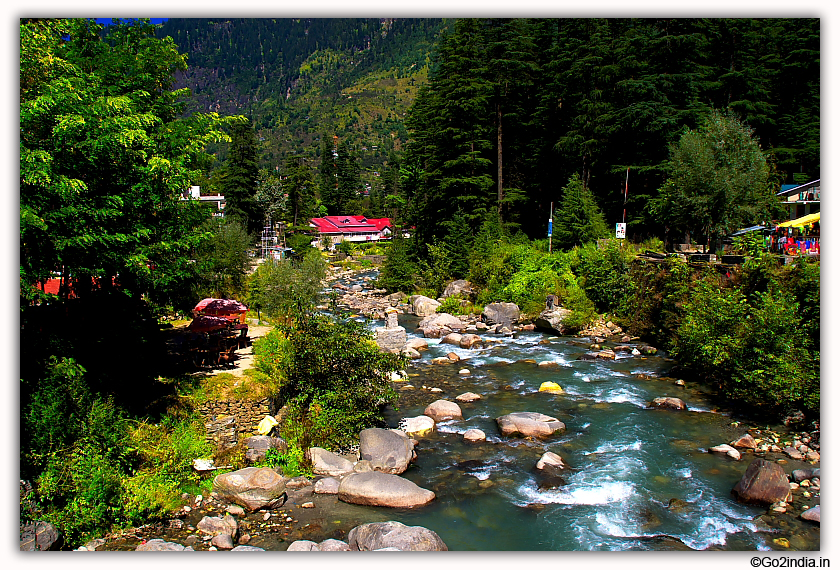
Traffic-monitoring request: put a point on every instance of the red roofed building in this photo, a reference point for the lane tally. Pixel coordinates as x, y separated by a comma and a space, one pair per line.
352, 228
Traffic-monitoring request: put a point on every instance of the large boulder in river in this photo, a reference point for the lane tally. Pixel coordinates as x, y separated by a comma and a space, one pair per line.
459, 287
470, 341
553, 320
451, 338
389, 451
379, 489
417, 343
550, 460
326, 462
763, 483
442, 410
393, 534
500, 313
423, 306
528, 424
439, 325
668, 403
253, 488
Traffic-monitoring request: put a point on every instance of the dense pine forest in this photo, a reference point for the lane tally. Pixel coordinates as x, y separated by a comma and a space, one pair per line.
504, 111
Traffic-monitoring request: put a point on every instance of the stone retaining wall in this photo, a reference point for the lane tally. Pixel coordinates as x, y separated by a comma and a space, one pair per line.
230, 421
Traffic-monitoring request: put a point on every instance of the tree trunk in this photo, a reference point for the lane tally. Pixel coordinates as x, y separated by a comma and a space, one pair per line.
499, 155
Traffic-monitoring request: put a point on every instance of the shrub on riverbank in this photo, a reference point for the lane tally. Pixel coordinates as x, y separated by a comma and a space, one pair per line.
752, 332
93, 465
331, 375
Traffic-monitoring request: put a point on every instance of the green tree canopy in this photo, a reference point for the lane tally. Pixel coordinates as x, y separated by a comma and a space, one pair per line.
578, 219
104, 157
241, 176
719, 180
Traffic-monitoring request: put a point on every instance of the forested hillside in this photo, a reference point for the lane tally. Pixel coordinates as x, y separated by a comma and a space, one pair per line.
511, 109
298, 79
514, 108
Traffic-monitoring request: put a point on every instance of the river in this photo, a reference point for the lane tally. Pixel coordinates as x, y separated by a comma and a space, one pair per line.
638, 478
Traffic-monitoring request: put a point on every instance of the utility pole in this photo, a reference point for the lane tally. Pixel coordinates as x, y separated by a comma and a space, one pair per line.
550, 216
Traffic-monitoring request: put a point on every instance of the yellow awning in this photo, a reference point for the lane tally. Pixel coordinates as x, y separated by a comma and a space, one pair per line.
803, 221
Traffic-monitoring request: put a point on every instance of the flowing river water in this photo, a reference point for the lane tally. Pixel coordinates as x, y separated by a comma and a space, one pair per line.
637, 478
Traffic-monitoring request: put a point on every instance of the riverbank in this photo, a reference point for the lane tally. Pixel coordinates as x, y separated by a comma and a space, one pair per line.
668, 476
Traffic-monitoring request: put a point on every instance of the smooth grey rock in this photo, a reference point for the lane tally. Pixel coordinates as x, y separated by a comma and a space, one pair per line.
505, 314
468, 397
223, 541
474, 435
418, 425
246, 548
253, 488
218, 525
333, 545
439, 324
394, 535
442, 410
452, 338
328, 463
812, 514
553, 320
668, 403
470, 341
389, 451
727, 450
550, 459
327, 486
529, 424
382, 489
417, 344
423, 306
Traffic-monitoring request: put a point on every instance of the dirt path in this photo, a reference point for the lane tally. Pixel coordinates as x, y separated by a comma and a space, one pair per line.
245, 356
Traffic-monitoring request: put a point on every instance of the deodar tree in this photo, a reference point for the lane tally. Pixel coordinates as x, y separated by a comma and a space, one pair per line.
104, 157
719, 180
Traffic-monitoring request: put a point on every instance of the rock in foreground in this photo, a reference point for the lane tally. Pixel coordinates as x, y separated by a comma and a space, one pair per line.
253, 488
389, 451
382, 490
393, 534
764, 482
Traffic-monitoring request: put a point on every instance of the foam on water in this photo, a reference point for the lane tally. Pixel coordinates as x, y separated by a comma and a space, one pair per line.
603, 494
615, 448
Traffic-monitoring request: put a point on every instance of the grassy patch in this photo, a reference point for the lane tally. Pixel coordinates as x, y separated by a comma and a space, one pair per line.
252, 385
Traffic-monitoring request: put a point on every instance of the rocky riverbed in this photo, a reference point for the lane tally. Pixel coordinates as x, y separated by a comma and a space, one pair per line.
633, 476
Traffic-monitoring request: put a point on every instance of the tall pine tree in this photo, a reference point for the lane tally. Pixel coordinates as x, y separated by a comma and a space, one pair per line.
241, 176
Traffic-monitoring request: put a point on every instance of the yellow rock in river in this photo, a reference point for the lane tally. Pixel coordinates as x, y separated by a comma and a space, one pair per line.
551, 387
